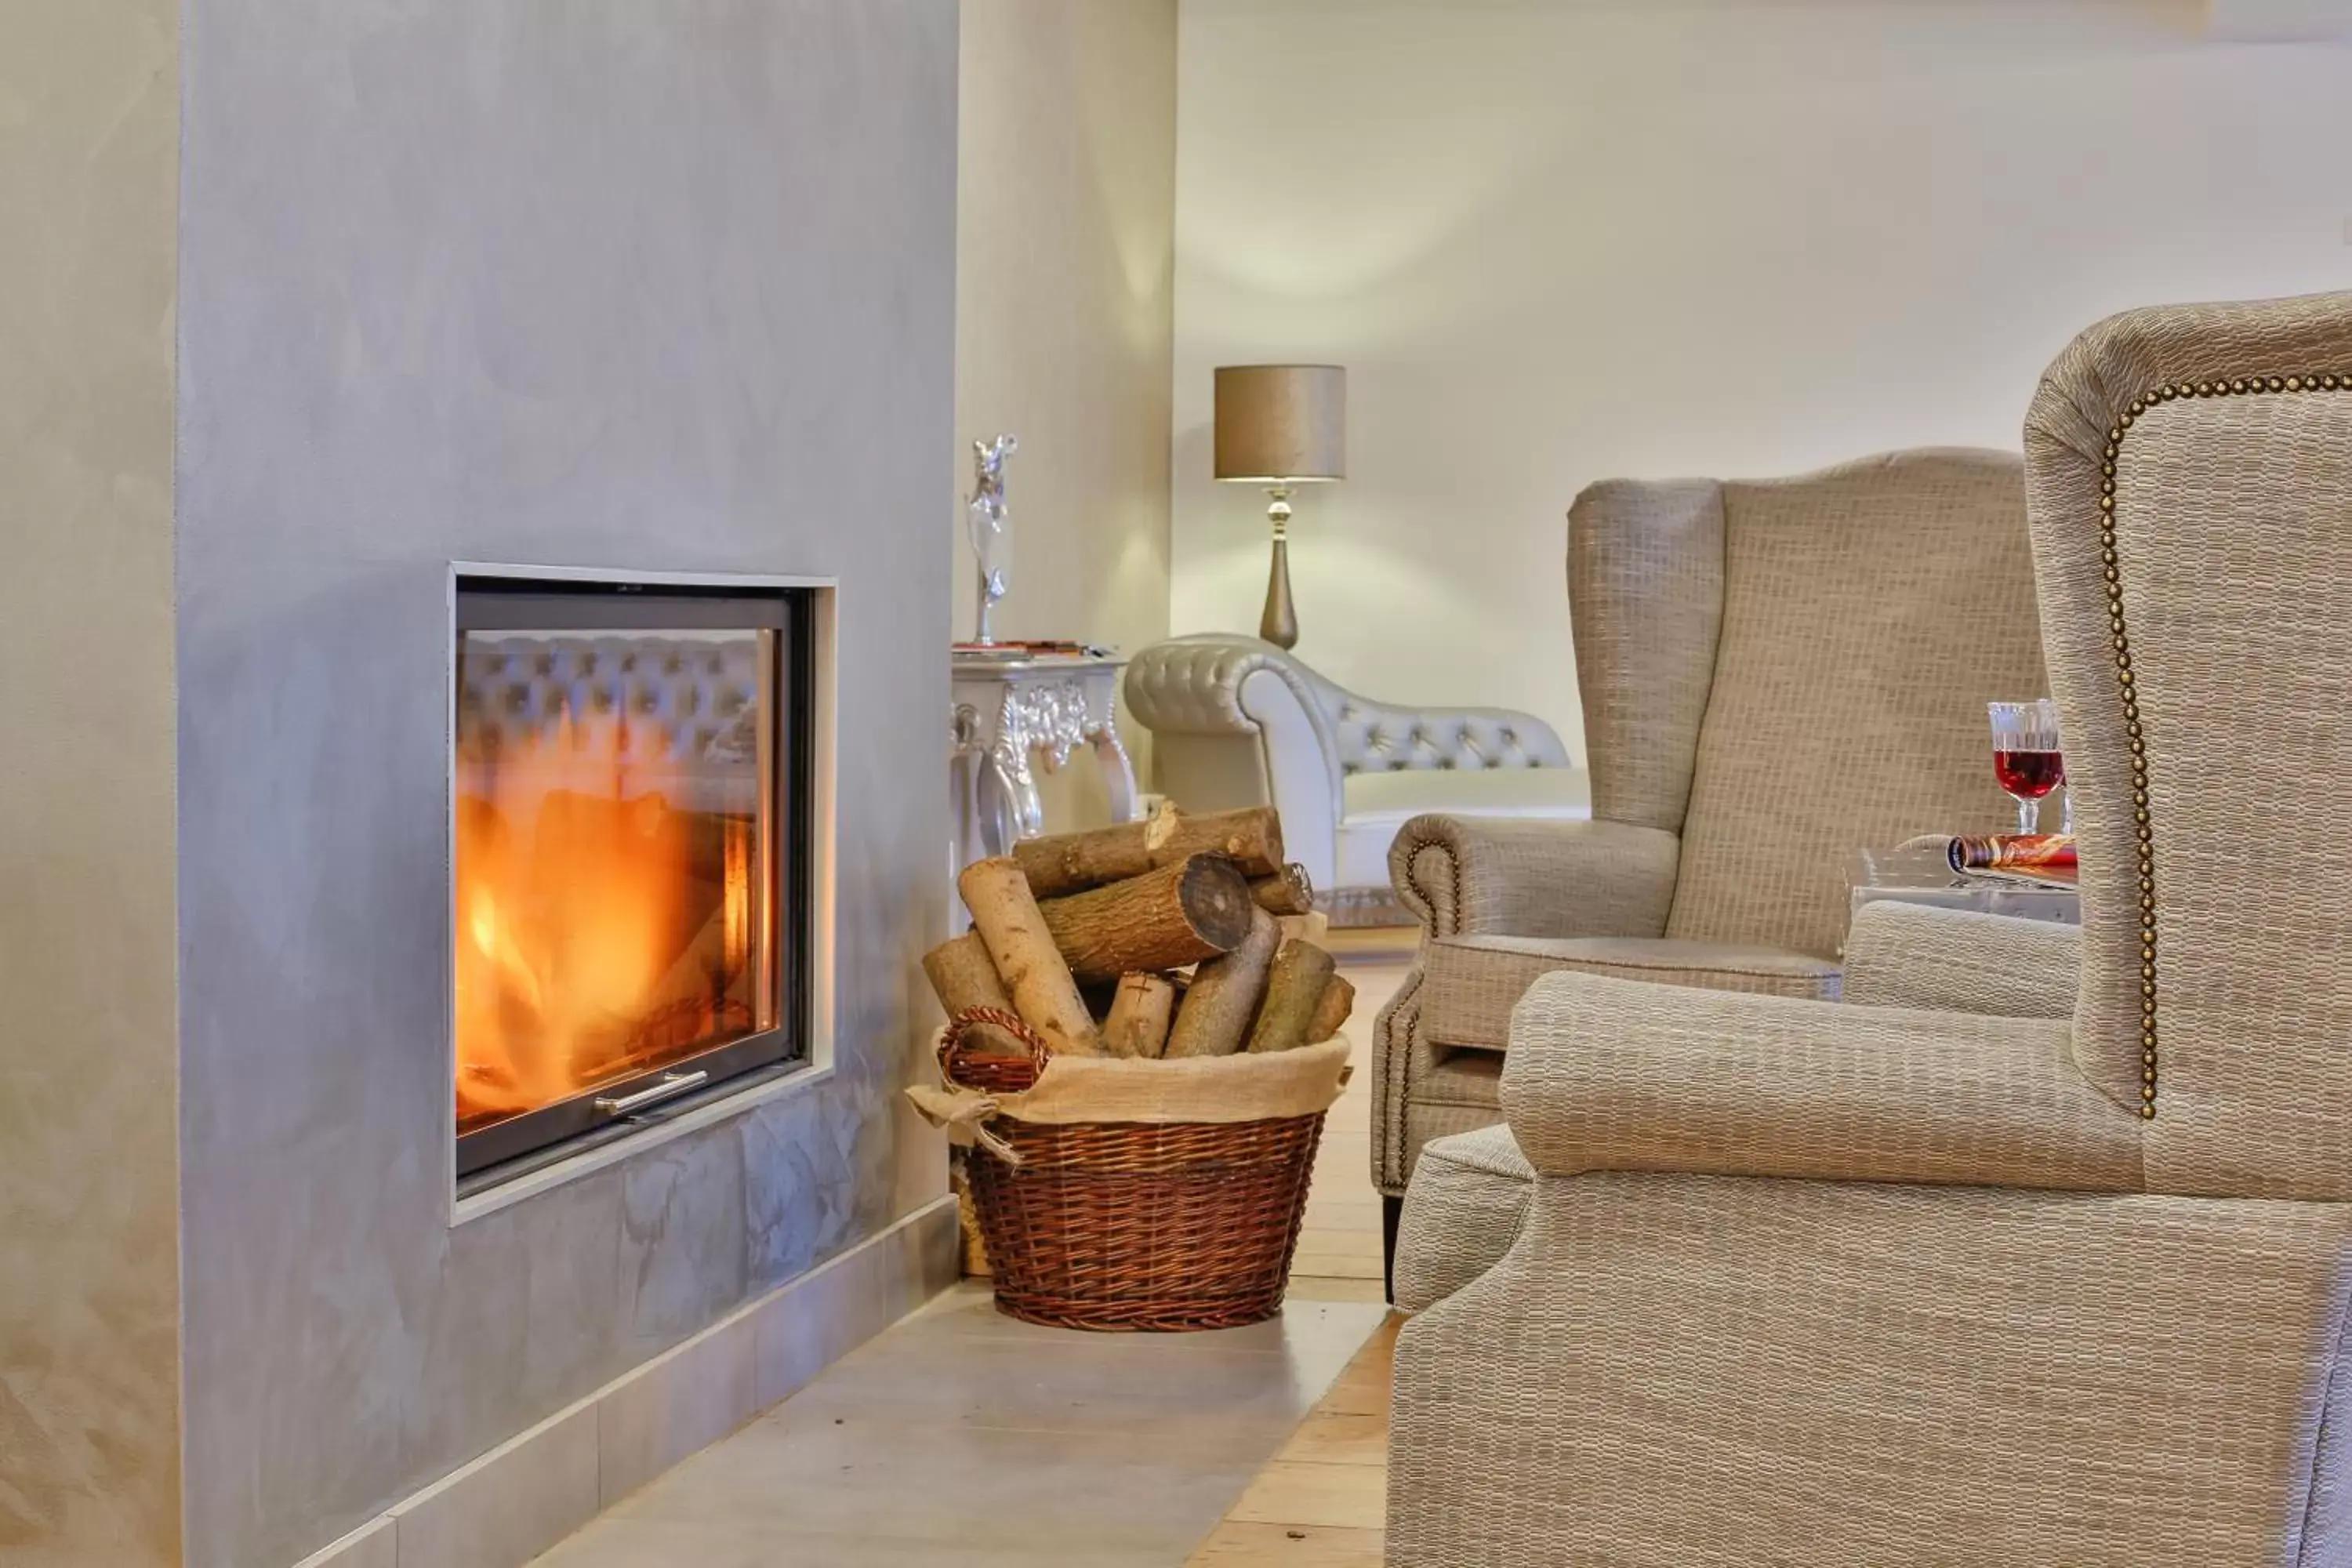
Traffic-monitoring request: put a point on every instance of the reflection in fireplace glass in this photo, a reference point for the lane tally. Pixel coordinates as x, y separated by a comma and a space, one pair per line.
615, 889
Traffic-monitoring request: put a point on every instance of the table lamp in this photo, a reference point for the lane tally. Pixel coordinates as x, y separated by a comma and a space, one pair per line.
1279, 426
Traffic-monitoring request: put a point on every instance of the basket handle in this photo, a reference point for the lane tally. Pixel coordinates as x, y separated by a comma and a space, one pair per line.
960, 1029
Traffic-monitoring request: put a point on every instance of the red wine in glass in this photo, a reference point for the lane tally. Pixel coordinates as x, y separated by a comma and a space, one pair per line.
2030, 776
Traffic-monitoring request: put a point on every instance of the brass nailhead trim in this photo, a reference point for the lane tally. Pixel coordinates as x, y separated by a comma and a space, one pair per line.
2123, 421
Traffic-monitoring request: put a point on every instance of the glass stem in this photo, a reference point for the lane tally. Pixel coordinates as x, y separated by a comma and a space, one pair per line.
2029, 813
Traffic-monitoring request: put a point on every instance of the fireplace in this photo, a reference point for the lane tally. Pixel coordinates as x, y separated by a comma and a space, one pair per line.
629, 855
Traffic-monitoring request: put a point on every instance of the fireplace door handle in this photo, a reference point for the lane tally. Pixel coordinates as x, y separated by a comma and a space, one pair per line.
672, 1084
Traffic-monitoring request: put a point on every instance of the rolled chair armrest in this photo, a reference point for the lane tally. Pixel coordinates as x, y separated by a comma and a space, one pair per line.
1614, 1075
1193, 686
1958, 961
1467, 876
1200, 695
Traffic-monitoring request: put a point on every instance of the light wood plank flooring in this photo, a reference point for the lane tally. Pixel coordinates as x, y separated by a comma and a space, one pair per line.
961, 1437
1321, 1502
1339, 1256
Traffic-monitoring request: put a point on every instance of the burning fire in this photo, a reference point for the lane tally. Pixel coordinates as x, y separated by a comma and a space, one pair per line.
600, 930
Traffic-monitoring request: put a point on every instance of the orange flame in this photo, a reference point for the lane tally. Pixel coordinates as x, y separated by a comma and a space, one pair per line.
599, 931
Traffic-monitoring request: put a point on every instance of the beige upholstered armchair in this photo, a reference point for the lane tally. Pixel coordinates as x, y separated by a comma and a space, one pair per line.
1774, 674
1835, 1285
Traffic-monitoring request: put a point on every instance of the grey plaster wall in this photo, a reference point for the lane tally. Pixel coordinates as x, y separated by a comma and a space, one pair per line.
595, 282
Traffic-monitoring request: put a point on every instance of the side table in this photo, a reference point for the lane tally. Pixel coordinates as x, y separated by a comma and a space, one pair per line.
1926, 877
1013, 710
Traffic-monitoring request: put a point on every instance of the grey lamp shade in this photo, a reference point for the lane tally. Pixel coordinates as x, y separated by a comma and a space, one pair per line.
1282, 422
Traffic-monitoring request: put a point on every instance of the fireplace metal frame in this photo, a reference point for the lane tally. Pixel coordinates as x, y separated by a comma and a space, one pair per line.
798, 611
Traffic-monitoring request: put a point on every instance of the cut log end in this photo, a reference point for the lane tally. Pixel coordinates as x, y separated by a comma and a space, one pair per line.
1332, 1012
1286, 892
1179, 914
1214, 1020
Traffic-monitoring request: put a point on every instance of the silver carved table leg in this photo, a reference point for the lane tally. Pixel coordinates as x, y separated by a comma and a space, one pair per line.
1022, 813
1013, 716
1117, 772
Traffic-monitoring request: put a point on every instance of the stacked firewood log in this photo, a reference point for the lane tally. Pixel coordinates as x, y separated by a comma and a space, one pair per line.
1157, 939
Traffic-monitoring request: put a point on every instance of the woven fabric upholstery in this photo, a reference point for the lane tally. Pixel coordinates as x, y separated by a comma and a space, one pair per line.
2327, 1513
1645, 598
1697, 1353
1869, 612
1880, 603
1472, 981
2236, 577
1613, 1074
1461, 1214
1422, 1091
1434, 1121
1958, 961
1688, 1371
1461, 874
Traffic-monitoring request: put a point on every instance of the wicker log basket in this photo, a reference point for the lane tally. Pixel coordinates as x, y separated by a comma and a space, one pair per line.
1133, 1225
1141, 1046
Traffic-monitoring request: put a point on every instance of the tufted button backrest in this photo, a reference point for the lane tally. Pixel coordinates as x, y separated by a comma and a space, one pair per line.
1378, 737
683, 698
1193, 684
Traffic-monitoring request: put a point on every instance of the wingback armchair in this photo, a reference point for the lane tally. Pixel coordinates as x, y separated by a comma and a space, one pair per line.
1774, 673
1839, 1286
1237, 722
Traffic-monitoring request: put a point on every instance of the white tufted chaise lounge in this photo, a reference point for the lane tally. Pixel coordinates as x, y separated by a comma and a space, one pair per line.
1237, 722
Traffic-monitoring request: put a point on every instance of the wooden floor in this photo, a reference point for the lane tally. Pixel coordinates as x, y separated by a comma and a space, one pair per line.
960, 1439
1339, 1256
1321, 1502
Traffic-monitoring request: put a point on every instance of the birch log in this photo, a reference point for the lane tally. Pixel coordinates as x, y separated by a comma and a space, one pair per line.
1252, 836
1339, 1000
1214, 1020
964, 977
1044, 993
1064, 862
1294, 988
1177, 915
1140, 1016
1286, 892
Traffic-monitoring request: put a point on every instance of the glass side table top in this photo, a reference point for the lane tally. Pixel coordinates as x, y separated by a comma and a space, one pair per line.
1923, 875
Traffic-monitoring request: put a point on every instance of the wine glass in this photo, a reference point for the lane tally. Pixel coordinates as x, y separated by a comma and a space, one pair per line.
2026, 757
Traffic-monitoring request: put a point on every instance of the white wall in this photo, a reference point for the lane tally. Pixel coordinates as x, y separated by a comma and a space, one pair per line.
1065, 311
1558, 242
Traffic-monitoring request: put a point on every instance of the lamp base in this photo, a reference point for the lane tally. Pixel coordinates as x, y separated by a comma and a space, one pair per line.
1280, 624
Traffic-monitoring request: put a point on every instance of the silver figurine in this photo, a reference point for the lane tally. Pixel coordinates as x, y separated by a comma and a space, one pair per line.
992, 543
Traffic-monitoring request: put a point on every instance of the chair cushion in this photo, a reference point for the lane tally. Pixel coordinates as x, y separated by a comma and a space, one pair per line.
1373, 806
1462, 1211
1470, 984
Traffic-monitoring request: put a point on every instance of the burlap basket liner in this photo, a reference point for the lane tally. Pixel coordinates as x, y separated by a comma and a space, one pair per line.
1073, 1089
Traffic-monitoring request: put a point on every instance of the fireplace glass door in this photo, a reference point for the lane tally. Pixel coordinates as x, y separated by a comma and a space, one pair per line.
624, 854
